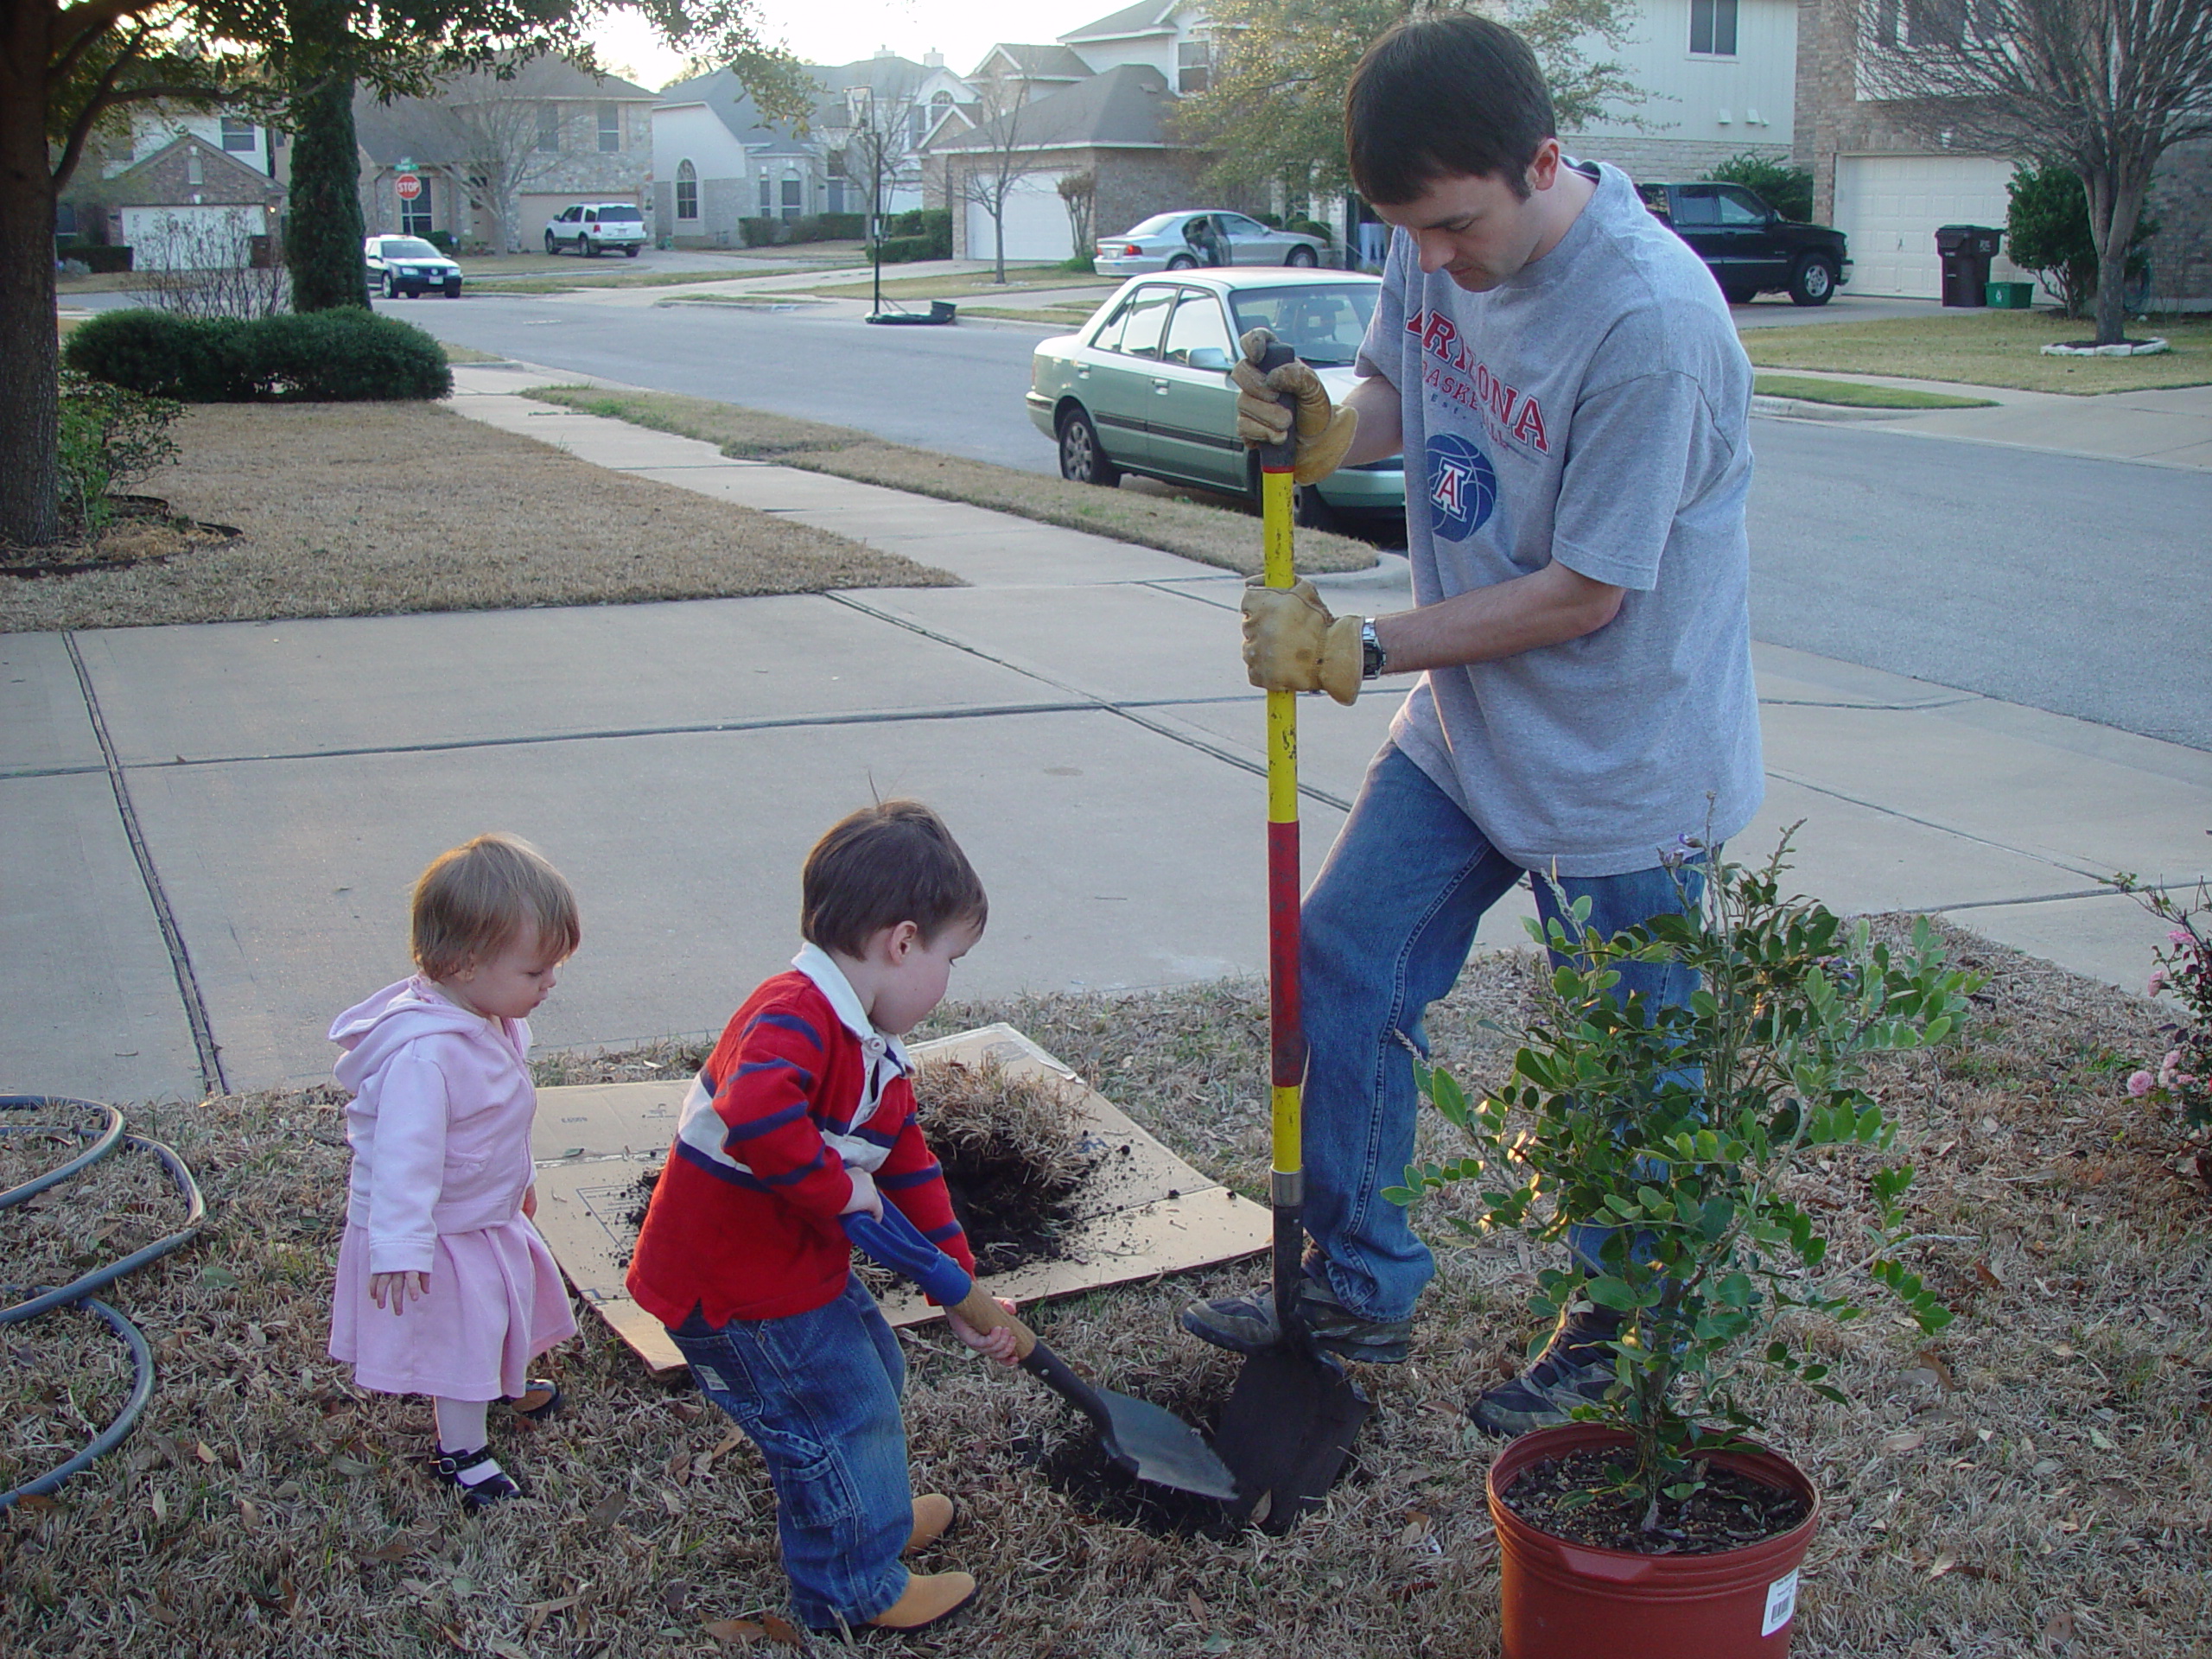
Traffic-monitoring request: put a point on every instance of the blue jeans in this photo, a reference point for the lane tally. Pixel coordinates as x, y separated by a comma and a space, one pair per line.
818, 1394
1387, 927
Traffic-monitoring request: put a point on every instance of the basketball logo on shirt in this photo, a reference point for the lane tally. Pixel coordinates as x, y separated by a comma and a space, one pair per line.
1462, 488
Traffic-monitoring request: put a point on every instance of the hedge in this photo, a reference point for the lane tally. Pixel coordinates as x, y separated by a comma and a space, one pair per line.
97, 258
341, 355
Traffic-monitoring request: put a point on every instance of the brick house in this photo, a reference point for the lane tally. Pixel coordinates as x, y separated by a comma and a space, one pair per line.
181, 189
561, 134
1887, 188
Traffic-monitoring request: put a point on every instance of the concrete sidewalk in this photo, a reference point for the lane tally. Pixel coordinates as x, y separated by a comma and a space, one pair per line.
212, 828
2169, 427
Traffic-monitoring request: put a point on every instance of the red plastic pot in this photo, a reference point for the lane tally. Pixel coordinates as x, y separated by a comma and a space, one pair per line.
1571, 1601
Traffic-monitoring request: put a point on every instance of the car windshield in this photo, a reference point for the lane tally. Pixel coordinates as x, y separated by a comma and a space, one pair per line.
409, 247
1323, 323
1155, 224
620, 216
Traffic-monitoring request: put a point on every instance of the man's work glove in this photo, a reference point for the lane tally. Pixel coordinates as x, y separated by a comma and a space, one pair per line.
1324, 432
1293, 643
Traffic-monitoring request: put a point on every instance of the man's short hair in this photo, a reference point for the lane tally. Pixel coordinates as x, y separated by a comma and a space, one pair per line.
474, 901
891, 862
1454, 96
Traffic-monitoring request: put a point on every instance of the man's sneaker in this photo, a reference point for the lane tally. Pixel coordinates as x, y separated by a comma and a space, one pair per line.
1574, 1369
1248, 1324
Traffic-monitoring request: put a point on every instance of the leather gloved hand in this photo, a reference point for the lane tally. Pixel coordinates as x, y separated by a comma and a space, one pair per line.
1293, 643
1323, 431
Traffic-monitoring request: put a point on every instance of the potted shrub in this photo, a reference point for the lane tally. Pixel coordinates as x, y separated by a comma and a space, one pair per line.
1652, 1526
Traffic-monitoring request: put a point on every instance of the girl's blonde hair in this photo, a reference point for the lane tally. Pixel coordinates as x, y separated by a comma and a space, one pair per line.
473, 901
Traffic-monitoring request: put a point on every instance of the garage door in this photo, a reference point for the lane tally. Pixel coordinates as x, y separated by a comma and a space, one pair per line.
1036, 222
192, 238
1888, 207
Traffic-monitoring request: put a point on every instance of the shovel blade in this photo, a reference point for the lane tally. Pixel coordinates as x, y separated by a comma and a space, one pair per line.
1155, 1445
1286, 1432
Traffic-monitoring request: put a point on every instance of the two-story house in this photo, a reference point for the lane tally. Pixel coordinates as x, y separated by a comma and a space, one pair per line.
181, 188
716, 161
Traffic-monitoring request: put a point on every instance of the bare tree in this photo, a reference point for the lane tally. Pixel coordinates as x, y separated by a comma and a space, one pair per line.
1080, 195
879, 145
498, 120
207, 269
2105, 87
1004, 153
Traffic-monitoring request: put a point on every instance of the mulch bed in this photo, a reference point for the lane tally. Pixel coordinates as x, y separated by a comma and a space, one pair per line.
143, 530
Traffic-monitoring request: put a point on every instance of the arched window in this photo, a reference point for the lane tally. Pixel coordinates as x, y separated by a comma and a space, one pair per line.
687, 190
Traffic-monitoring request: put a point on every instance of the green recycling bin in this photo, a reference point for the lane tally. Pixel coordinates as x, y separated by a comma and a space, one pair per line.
2009, 296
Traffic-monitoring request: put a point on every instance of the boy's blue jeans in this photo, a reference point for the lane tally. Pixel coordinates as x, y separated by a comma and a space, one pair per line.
1387, 927
818, 1394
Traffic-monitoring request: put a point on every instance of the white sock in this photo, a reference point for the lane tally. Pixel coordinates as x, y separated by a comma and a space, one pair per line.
461, 1425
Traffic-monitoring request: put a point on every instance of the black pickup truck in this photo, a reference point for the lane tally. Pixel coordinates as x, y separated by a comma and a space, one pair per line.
1751, 249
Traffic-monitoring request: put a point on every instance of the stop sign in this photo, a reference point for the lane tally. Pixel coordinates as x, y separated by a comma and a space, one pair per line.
409, 186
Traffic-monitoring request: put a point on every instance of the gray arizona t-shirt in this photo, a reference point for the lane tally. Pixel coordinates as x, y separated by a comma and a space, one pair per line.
1590, 410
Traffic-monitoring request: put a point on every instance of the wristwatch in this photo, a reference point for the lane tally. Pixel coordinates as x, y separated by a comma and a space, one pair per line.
1374, 662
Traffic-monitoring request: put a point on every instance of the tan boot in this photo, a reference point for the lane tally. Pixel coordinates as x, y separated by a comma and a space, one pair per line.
929, 1597
932, 1515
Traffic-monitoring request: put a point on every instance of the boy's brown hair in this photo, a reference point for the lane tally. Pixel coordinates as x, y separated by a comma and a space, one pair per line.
891, 862
1440, 96
473, 901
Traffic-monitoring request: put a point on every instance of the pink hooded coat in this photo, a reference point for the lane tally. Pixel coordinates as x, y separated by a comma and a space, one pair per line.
440, 1126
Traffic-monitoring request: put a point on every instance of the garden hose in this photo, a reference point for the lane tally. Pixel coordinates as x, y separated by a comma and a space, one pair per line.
78, 1293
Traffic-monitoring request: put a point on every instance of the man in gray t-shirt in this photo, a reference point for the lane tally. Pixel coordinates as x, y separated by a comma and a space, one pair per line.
1562, 375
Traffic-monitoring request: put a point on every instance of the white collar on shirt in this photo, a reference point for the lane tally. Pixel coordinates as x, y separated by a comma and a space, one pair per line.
829, 978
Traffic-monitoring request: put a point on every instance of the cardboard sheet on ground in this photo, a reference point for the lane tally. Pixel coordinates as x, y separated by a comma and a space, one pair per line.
1142, 1211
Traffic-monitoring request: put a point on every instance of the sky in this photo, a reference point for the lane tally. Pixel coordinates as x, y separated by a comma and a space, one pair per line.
839, 31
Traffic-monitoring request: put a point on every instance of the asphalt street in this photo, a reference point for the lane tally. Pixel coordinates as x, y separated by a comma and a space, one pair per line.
2073, 585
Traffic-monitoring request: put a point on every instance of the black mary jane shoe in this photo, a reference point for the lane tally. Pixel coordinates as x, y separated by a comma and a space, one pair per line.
478, 1491
548, 1394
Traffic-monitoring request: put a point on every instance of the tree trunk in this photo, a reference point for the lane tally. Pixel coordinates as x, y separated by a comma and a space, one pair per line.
30, 353
2115, 205
998, 229
323, 228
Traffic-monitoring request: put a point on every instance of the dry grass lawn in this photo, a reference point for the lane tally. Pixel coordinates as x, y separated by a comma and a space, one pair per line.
2036, 1481
1989, 348
369, 509
1223, 537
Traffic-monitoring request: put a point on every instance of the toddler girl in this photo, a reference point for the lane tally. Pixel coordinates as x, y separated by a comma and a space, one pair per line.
444, 1288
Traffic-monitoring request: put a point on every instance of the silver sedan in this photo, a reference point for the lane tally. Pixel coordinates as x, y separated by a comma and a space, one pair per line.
1184, 240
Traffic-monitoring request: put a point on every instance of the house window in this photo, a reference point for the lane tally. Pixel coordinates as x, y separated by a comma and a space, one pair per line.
237, 136
687, 190
548, 126
794, 198
195, 170
610, 125
1713, 28
1194, 65
767, 197
414, 218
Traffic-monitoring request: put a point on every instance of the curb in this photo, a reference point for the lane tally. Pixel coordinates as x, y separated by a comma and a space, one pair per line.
1797, 408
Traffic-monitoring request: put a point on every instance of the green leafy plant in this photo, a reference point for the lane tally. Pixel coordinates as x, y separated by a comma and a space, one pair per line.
109, 436
2047, 231
339, 355
1787, 189
2183, 1078
1678, 1128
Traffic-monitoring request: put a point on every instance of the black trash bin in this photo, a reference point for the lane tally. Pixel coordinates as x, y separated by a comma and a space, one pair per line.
1966, 250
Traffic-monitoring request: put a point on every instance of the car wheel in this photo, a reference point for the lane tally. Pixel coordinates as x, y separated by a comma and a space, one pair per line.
551, 246
1740, 295
453, 290
1313, 512
590, 247
1300, 257
630, 252
1813, 283
1082, 458
390, 288
1182, 261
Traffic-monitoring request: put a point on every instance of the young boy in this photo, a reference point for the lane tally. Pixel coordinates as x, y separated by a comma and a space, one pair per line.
802, 1114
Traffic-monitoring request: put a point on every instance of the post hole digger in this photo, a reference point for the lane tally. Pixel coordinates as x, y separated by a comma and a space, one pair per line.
1291, 1418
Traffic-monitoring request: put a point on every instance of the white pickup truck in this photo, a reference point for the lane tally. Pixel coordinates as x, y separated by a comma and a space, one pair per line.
596, 227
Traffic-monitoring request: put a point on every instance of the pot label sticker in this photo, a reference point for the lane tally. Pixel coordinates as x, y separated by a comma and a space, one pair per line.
1781, 1604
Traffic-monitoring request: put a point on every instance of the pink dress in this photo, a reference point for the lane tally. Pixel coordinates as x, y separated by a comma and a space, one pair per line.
440, 1128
